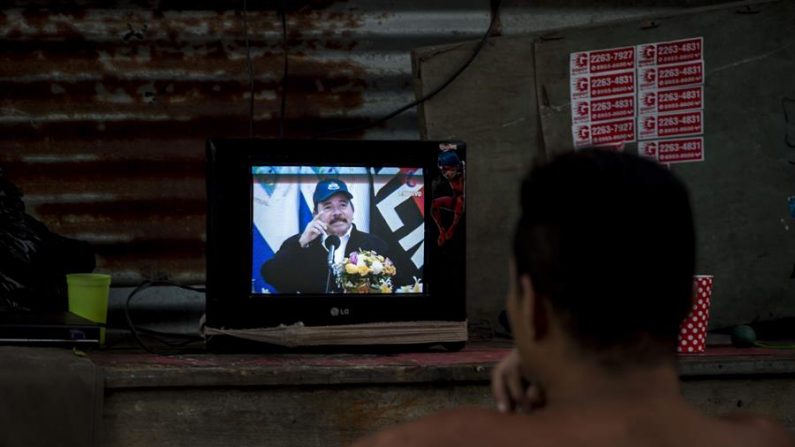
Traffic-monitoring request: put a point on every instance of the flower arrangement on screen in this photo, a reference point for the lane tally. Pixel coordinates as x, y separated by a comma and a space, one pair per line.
365, 271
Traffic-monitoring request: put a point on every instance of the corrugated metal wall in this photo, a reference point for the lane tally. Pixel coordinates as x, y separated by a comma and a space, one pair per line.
106, 105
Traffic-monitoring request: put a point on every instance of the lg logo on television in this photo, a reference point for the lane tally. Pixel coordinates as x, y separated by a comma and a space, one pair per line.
337, 312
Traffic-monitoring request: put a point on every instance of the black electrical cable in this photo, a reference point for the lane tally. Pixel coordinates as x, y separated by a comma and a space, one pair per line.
157, 335
283, 108
434, 92
250, 70
150, 332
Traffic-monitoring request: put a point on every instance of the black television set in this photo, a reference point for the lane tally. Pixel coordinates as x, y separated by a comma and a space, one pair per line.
336, 242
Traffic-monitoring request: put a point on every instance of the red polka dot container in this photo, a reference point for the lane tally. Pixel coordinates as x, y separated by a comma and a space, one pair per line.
693, 332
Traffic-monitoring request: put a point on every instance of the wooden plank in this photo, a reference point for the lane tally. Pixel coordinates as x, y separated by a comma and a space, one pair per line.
473, 364
330, 416
283, 404
382, 333
283, 416
492, 108
132, 370
328, 399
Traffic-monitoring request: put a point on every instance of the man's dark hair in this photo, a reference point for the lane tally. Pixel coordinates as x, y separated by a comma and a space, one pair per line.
607, 238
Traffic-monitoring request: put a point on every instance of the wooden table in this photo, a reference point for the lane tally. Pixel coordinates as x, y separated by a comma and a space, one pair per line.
332, 398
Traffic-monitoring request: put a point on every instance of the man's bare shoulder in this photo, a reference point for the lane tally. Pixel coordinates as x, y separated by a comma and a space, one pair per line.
477, 427
758, 430
461, 427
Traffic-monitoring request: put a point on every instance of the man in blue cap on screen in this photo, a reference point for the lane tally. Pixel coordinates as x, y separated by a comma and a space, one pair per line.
301, 264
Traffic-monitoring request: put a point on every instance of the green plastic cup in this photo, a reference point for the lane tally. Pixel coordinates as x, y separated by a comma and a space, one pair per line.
88, 297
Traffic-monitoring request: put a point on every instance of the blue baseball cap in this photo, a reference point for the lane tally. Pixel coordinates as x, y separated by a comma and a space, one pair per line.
327, 188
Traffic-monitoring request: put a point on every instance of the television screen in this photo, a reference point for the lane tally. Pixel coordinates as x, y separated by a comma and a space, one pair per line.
335, 232
376, 213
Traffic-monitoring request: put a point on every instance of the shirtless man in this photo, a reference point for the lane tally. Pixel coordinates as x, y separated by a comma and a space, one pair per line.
601, 277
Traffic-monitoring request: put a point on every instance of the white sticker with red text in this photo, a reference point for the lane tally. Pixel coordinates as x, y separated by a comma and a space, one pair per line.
598, 110
677, 150
603, 85
658, 87
670, 125
669, 76
673, 52
604, 134
665, 101
600, 61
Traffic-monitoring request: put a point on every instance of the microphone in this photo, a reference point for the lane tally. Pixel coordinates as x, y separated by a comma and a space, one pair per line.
331, 243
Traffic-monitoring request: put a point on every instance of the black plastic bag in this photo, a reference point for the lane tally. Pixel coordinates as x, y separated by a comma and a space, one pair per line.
34, 260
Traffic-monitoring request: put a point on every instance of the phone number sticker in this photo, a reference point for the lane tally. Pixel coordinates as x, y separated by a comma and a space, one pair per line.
603, 134
670, 125
677, 150
662, 101
600, 86
671, 76
598, 110
600, 61
673, 52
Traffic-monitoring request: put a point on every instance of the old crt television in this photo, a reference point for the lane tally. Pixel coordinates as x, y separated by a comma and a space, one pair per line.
336, 242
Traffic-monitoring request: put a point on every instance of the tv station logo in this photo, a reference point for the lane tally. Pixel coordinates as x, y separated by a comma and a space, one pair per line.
448, 147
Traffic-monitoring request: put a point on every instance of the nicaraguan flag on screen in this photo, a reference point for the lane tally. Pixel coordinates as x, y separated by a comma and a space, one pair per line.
275, 217
283, 207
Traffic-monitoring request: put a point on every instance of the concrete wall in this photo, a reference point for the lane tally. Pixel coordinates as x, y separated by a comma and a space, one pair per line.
512, 107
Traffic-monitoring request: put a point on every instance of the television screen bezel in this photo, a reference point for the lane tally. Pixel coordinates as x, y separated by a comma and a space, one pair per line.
230, 301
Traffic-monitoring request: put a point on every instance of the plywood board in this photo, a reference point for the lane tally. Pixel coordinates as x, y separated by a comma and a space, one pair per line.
492, 108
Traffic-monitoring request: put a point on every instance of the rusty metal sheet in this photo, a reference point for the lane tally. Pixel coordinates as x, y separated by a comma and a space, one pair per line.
104, 108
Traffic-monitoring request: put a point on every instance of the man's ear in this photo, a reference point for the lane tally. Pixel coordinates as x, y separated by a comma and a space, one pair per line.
534, 308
